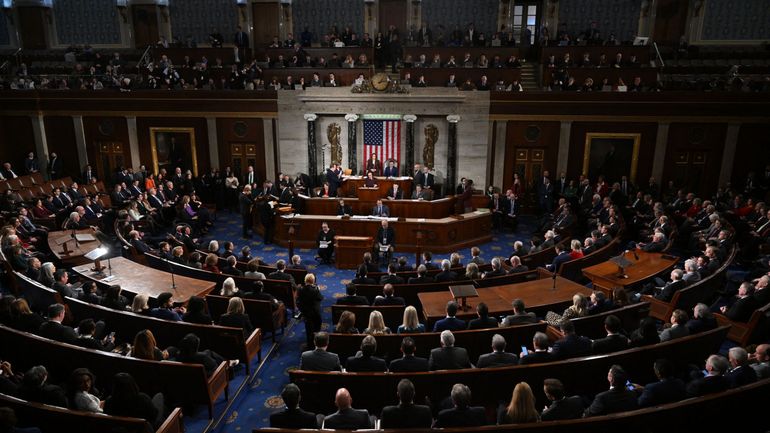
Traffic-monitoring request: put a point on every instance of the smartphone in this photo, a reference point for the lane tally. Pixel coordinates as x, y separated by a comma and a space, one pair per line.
629, 385
524, 350
705, 373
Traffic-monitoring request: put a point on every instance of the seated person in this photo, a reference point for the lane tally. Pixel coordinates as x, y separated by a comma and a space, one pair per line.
346, 324
406, 414
411, 323
395, 193
387, 297
520, 316
422, 276
351, 298
617, 399
385, 241
714, 380
325, 241
462, 414
521, 408
319, 359
380, 210
362, 276
540, 352
391, 277
450, 322
561, 407
667, 389
446, 274
346, 418
408, 362
499, 357
483, 321
292, 417
448, 357
365, 361
614, 341
376, 324
420, 193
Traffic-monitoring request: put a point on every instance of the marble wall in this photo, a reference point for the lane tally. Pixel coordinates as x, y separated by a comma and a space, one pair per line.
429, 105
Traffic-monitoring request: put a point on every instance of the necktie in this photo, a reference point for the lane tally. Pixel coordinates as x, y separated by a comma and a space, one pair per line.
379, 211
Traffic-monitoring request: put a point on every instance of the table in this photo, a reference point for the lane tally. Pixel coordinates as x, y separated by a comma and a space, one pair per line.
351, 184
139, 279
604, 276
537, 295
77, 251
440, 208
350, 250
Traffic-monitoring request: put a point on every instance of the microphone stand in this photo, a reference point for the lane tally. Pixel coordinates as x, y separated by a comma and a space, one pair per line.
554, 281
171, 269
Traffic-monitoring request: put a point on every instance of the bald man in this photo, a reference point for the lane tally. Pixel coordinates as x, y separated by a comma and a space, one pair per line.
346, 418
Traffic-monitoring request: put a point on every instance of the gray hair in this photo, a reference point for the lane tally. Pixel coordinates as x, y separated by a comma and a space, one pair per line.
540, 340
445, 265
496, 263
739, 354
447, 338
213, 246
498, 343
718, 363
677, 273
701, 310
690, 265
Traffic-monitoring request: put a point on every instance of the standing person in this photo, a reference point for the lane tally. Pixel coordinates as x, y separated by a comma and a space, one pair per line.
325, 241
245, 201
309, 299
54, 167
231, 186
266, 214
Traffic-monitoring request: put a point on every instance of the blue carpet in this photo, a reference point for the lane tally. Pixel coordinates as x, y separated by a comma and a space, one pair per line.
260, 397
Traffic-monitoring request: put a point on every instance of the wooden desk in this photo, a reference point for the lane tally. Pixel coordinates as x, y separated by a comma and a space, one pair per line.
604, 276
351, 184
350, 250
369, 194
537, 295
443, 235
440, 208
77, 251
139, 279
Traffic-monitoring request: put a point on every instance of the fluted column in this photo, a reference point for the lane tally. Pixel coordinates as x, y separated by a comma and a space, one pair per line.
312, 158
406, 167
451, 165
352, 141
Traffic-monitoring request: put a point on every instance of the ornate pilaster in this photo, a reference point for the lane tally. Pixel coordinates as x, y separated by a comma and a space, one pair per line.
312, 158
406, 166
451, 175
352, 141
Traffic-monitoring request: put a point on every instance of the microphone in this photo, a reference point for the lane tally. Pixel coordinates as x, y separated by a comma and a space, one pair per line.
554, 281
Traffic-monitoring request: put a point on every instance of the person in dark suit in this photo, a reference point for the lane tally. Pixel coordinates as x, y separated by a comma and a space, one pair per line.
245, 203
266, 217
351, 298
677, 283
344, 209
333, 174
561, 407
571, 345
450, 322
499, 357
617, 399
740, 372
417, 176
380, 210
35, 389
385, 240
540, 352
462, 414
373, 165
714, 380
53, 328
366, 361
483, 321
62, 286
516, 266
446, 274
408, 362
391, 170
497, 269
599, 303
428, 179
562, 256
520, 316
545, 195
87, 337
31, 165
387, 297
325, 241
427, 260
422, 276
362, 276
280, 273
292, 417
309, 299
614, 341
677, 329
406, 414
346, 418
448, 357
319, 359
743, 305
54, 167
667, 389
395, 193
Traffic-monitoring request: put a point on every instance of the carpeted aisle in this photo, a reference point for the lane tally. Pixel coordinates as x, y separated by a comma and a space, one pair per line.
261, 396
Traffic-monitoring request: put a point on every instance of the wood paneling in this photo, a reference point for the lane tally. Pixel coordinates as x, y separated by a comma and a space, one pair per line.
145, 19
577, 147
393, 12
60, 135
753, 152
244, 132
143, 125
530, 136
32, 27
694, 156
670, 21
105, 130
16, 141
265, 19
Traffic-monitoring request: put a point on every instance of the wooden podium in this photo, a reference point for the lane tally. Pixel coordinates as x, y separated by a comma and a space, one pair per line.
350, 250
369, 194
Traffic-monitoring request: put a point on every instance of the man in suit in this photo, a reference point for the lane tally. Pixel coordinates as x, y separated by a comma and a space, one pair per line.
385, 241
7, 172
406, 414
483, 321
668, 388
54, 167
450, 322
420, 194
571, 345
387, 297
740, 372
380, 210
446, 274
497, 269
362, 276
391, 277
280, 273
319, 359
53, 328
617, 399
499, 357
448, 357
676, 284
427, 178
516, 265
562, 256
408, 362
35, 389
762, 357
31, 165
545, 195
422, 276
540, 352
346, 418
365, 361
614, 341
333, 174
417, 176
325, 241
677, 329
743, 304
462, 414
520, 316
497, 207
292, 417
62, 286
714, 380
561, 407
245, 203
395, 193
165, 309
391, 170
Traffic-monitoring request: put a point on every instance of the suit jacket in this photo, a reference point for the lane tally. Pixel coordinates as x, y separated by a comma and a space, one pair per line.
537, 358
456, 417
617, 399
497, 359
409, 363
293, 419
385, 212
365, 364
353, 300
742, 309
669, 289
427, 180
674, 332
610, 343
392, 279
56, 331
519, 319
664, 391
373, 166
319, 360
517, 269
420, 280
445, 276
571, 346
389, 300
344, 210
348, 419
406, 416
654, 247
448, 358
397, 196
566, 408
390, 172
450, 323
741, 375
707, 385
564, 257
483, 323
279, 275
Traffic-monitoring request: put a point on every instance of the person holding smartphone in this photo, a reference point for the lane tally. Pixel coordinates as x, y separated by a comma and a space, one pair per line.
540, 353
617, 399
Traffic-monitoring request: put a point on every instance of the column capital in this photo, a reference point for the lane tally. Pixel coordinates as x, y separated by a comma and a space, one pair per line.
351, 117
409, 118
310, 117
453, 118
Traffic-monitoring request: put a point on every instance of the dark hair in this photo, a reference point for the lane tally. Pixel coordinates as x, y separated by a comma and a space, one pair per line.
290, 395
368, 346
408, 346
350, 289
663, 368
258, 286
124, 387
612, 323
451, 308
86, 327
554, 388
196, 304
321, 339
618, 375
482, 309
164, 297
567, 326
189, 345
362, 271
54, 310
518, 304
405, 391
89, 287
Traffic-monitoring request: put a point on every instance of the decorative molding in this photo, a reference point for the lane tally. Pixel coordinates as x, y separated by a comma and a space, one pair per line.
310, 117
453, 118
409, 118
351, 117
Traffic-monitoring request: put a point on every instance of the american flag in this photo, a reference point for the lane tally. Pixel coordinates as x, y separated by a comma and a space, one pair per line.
382, 137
